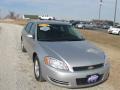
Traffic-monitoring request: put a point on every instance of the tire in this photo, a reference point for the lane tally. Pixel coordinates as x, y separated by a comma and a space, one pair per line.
119, 33
109, 32
22, 47
37, 70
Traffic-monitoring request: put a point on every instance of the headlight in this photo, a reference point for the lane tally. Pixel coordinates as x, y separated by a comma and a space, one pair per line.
55, 63
106, 60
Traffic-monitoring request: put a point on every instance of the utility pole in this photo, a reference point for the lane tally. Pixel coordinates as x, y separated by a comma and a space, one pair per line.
100, 7
0, 13
115, 13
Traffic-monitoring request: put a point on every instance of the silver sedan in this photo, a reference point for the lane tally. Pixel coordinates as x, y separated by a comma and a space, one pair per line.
62, 56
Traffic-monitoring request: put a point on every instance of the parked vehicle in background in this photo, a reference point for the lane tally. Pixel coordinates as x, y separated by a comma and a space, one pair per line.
46, 18
80, 26
105, 26
62, 56
90, 26
114, 30
74, 22
86, 25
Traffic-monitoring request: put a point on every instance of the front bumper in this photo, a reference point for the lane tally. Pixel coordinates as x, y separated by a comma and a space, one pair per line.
70, 79
109, 31
113, 32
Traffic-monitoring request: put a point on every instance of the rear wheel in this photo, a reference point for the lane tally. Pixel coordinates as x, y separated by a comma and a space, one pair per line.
22, 47
37, 70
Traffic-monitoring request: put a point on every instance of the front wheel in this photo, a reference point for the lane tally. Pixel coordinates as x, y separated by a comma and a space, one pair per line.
37, 70
119, 33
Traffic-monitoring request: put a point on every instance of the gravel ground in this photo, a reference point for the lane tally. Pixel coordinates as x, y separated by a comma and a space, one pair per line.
16, 68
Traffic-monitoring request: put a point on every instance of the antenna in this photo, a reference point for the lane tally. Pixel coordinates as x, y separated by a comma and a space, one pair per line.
100, 7
115, 13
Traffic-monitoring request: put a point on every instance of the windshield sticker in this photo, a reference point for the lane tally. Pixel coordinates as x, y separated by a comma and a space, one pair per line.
45, 28
43, 25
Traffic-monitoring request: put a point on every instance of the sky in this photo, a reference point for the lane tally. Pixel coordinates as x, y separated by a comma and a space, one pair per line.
64, 9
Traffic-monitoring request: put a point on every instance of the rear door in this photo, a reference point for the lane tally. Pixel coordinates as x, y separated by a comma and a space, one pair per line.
31, 41
25, 34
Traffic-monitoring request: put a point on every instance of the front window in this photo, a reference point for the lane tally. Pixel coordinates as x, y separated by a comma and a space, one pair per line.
56, 32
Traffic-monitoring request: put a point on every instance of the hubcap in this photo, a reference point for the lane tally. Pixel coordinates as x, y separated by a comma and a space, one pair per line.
36, 68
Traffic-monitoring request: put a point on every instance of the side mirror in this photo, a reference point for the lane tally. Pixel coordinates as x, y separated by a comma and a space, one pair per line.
30, 36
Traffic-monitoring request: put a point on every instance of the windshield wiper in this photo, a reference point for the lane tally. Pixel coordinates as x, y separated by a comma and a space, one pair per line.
76, 39
57, 40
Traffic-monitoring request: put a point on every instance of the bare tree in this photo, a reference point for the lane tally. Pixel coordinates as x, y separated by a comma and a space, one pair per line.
17, 16
0, 13
12, 15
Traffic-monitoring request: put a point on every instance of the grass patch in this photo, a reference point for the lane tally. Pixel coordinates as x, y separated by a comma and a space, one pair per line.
102, 38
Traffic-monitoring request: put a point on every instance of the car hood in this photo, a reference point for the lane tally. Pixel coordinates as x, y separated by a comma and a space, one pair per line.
115, 29
74, 53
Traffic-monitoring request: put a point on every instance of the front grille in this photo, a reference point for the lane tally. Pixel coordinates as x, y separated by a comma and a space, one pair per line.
59, 82
84, 81
88, 67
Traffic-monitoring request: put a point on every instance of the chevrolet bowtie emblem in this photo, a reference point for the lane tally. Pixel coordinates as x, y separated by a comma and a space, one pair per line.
91, 67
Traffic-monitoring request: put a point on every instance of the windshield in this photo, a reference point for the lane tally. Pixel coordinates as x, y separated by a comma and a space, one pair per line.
51, 32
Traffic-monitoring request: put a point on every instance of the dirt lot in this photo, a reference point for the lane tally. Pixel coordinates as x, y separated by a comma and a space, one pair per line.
16, 68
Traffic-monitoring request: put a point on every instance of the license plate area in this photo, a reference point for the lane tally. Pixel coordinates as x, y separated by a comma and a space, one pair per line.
90, 79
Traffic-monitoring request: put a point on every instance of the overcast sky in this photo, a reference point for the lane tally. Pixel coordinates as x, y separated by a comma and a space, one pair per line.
70, 9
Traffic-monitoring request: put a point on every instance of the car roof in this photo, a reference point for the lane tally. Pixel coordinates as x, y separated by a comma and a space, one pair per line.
58, 22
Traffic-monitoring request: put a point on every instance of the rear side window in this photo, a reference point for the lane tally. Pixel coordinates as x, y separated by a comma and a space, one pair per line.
32, 30
28, 27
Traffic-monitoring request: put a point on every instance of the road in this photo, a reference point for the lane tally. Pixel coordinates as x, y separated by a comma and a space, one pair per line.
16, 68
